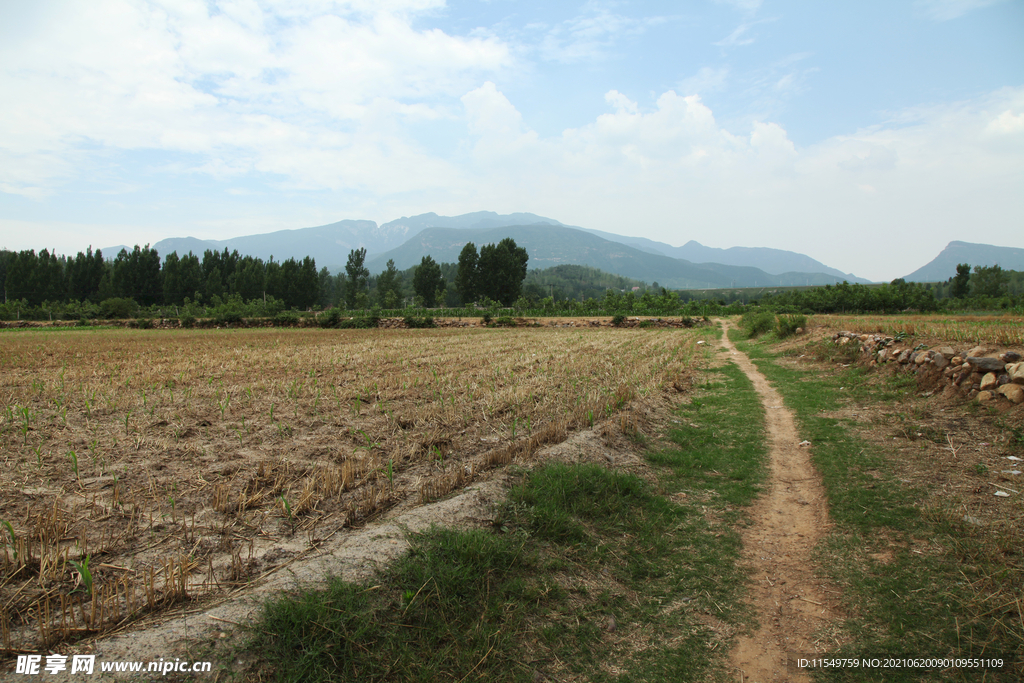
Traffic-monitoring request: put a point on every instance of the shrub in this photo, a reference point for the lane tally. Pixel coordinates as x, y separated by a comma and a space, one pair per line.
756, 323
329, 318
187, 320
486, 319
228, 317
119, 308
787, 325
505, 321
287, 319
618, 320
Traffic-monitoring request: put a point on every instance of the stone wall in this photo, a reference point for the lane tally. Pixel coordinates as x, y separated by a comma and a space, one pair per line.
982, 373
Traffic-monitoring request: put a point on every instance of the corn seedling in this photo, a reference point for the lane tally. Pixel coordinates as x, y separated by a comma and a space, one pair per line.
74, 463
10, 532
84, 575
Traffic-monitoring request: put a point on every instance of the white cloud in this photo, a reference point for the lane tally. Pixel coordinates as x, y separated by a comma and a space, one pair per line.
706, 80
944, 10
749, 6
1007, 123
273, 88
591, 34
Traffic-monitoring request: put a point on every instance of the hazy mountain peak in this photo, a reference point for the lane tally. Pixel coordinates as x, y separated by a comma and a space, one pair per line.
943, 266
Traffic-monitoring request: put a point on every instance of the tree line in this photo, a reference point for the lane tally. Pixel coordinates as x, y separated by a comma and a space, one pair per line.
983, 288
32, 279
44, 284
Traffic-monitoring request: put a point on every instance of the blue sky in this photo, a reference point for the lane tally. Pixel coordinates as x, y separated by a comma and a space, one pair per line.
866, 134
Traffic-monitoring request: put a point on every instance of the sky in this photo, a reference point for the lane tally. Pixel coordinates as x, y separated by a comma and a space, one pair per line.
866, 134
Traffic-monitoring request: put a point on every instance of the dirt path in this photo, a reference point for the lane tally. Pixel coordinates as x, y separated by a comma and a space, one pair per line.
792, 602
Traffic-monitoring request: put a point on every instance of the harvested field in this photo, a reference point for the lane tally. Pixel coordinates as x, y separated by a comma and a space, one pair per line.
143, 469
1005, 330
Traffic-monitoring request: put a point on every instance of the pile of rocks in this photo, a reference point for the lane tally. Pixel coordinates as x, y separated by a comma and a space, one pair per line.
982, 373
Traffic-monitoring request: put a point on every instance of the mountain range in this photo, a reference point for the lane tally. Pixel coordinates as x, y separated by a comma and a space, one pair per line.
553, 245
548, 241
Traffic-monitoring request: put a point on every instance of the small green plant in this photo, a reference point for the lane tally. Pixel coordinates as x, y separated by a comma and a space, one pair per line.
74, 463
981, 468
390, 473
84, 575
14, 539
26, 420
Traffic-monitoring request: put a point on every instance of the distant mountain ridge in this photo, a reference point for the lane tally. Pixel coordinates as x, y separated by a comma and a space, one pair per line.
772, 261
330, 246
553, 245
943, 266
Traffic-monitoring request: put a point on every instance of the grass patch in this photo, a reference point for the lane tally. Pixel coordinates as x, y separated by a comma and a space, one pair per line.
918, 581
719, 444
586, 573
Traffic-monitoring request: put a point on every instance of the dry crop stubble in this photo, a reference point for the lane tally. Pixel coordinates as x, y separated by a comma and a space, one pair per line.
1005, 330
207, 458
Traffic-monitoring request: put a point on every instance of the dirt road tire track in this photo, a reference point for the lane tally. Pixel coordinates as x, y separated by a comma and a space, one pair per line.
791, 600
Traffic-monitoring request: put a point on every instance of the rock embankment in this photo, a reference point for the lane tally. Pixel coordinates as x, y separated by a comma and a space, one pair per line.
982, 373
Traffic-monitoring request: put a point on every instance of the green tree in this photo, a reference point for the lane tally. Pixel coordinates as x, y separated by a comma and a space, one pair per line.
989, 281
328, 297
467, 279
962, 282
249, 279
136, 275
173, 293
85, 273
389, 286
502, 269
357, 276
20, 273
428, 282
